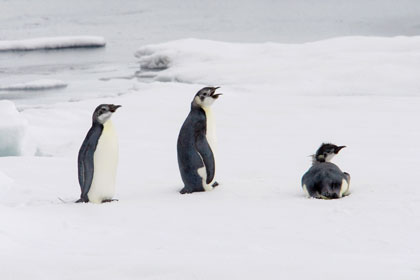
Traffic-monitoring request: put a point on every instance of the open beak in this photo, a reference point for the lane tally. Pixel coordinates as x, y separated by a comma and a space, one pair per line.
215, 96
113, 107
336, 150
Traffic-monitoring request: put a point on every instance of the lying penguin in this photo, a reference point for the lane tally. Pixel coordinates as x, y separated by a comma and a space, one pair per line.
98, 158
196, 143
324, 179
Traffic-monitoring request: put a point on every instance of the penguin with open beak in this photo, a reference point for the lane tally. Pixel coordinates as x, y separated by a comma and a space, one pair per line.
324, 179
196, 145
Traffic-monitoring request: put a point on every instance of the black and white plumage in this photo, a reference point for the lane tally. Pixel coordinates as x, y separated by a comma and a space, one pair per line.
98, 157
324, 179
196, 144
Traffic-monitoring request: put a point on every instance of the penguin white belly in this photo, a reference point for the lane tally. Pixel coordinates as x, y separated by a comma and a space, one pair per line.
105, 162
305, 190
211, 139
210, 133
345, 187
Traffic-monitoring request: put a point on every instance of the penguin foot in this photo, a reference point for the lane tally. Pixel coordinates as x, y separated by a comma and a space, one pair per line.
80, 200
215, 184
185, 190
109, 200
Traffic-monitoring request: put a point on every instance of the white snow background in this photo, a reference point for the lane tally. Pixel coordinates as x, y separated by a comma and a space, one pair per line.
280, 102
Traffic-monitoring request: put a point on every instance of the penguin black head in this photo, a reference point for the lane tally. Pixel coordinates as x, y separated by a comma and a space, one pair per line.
206, 96
326, 152
103, 112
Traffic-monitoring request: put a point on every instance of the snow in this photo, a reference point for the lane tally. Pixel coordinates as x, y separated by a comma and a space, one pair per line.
258, 217
13, 130
279, 103
257, 223
340, 66
5, 183
36, 85
48, 43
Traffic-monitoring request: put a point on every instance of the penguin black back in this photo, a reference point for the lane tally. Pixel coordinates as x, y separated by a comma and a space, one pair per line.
85, 159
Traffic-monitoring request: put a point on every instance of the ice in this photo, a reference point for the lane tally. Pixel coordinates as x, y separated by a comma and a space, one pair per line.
5, 183
48, 43
258, 222
36, 85
258, 216
13, 130
341, 66
280, 102
153, 62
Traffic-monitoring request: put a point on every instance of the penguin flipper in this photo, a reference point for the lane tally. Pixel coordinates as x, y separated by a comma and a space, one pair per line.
206, 154
85, 161
347, 176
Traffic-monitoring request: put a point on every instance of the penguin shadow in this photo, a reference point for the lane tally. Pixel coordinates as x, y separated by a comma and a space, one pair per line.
72, 200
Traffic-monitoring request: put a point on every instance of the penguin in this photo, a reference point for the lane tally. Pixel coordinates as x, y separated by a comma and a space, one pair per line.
196, 144
324, 179
98, 157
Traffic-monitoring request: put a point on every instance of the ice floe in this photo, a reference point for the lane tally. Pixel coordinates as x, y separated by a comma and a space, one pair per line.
46, 43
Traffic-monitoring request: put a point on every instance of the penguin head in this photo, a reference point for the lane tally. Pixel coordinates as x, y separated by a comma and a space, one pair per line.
104, 112
326, 152
206, 96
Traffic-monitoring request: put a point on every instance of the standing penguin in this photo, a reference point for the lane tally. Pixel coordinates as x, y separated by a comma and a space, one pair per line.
98, 157
324, 179
196, 144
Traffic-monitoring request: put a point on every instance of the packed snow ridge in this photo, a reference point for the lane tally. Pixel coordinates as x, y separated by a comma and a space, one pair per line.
340, 66
47, 43
44, 84
149, 59
5, 182
13, 130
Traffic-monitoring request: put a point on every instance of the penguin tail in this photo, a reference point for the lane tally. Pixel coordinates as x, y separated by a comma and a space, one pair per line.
330, 191
328, 195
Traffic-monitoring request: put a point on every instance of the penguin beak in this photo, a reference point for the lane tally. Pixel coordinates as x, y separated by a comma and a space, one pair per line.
113, 108
215, 96
336, 150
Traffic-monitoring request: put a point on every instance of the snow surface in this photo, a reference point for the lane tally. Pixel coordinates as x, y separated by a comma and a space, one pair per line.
280, 102
340, 66
13, 131
48, 43
36, 85
257, 224
5, 183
